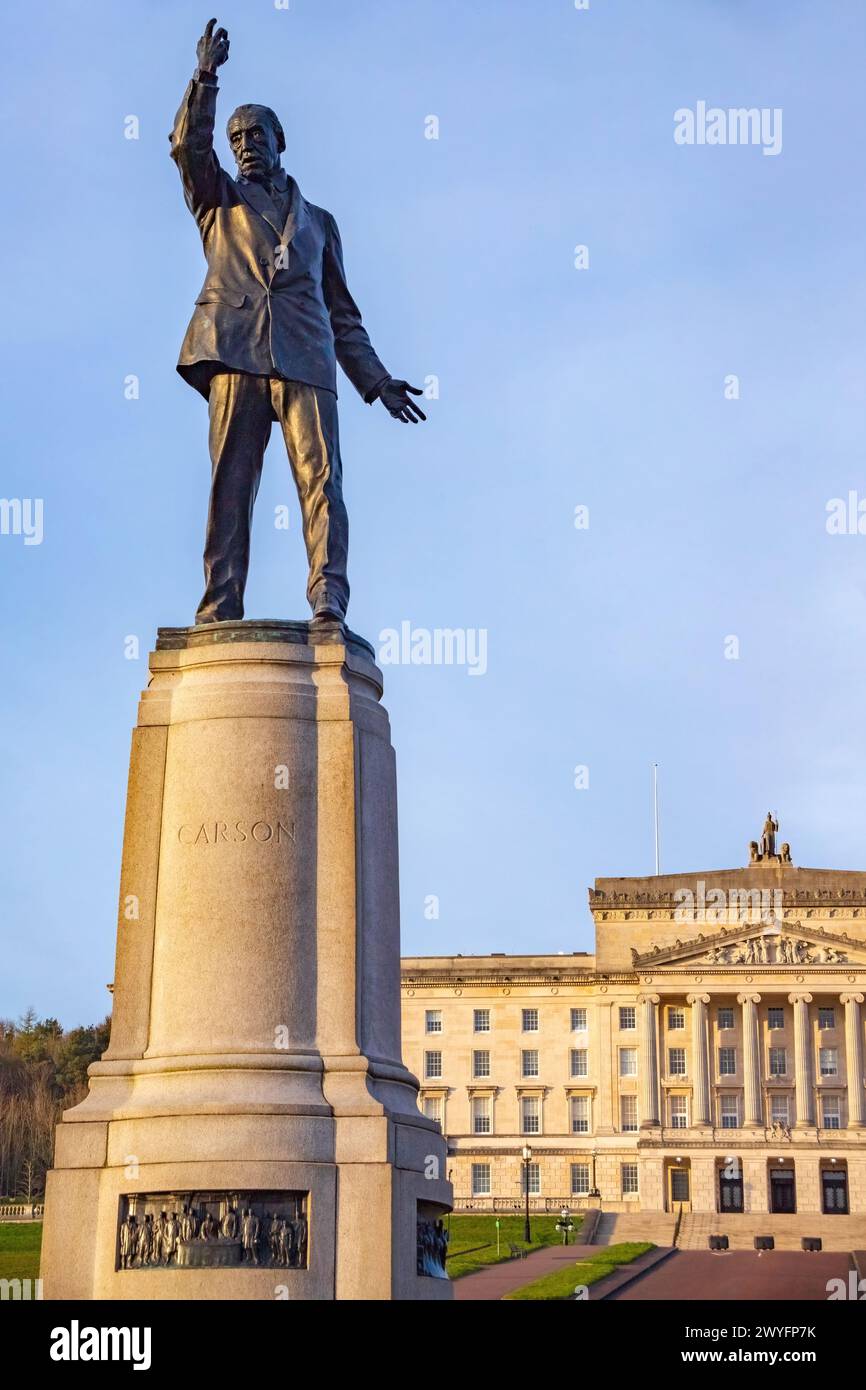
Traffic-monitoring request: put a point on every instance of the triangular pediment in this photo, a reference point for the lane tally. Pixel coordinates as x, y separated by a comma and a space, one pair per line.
772, 944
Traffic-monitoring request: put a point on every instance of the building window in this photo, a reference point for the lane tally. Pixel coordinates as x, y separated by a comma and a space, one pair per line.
432, 1065
830, 1113
727, 1061
628, 1061
579, 1061
726, 1018
676, 1061
530, 1020
480, 1064
579, 1114
628, 1019
779, 1110
679, 1112
778, 1061
730, 1112
433, 1021
530, 1179
480, 1114
775, 1018
676, 1018
579, 1179
829, 1061
628, 1173
433, 1108
529, 1115
529, 1062
578, 1020
481, 1180
826, 1018
481, 1020
628, 1114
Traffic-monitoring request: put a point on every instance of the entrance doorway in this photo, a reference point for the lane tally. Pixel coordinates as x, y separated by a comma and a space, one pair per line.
679, 1186
783, 1192
730, 1192
834, 1189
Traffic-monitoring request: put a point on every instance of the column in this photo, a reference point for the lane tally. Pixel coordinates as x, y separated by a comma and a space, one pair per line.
753, 1117
648, 1061
802, 1060
602, 1049
700, 1087
854, 1058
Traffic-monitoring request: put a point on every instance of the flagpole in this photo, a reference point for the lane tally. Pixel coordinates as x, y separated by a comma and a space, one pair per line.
656, 813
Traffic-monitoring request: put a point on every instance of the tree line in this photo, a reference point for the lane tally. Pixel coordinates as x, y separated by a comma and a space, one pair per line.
43, 1071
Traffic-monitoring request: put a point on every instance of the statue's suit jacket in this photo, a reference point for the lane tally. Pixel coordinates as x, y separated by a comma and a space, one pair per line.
279, 313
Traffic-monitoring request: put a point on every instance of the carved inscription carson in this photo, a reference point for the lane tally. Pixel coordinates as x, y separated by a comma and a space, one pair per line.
221, 832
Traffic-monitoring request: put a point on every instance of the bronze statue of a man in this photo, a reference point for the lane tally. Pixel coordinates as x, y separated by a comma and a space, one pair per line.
273, 318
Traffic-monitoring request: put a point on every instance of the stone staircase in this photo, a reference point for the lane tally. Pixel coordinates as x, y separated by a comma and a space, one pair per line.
614, 1227
836, 1232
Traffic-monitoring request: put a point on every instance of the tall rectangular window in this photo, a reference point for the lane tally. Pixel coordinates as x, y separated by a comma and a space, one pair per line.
530, 1178
628, 1114
676, 1061
775, 1018
628, 1061
779, 1110
579, 1061
579, 1106
530, 1115
628, 1178
778, 1061
730, 1112
830, 1112
679, 1112
480, 1114
433, 1108
432, 1065
579, 1179
826, 1018
481, 1180
676, 1019
529, 1062
726, 1018
480, 1064
578, 1020
727, 1061
829, 1061
433, 1021
481, 1020
530, 1020
628, 1018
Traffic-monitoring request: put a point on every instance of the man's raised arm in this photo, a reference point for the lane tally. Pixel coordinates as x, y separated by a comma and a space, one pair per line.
192, 137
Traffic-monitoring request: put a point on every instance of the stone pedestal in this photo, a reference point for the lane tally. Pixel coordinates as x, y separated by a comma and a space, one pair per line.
255, 1060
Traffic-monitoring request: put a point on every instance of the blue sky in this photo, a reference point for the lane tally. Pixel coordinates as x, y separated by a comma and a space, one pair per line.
558, 388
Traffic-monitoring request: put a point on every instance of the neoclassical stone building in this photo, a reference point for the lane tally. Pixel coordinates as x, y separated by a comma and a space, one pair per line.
710, 1053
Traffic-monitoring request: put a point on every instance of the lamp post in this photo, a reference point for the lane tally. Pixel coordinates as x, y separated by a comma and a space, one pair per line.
527, 1159
595, 1192
565, 1224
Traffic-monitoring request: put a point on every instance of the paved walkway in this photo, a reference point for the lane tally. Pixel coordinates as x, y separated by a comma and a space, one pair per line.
495, 1281
739, 1274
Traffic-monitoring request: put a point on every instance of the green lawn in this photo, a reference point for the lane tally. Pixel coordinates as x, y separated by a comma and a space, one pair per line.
562, 1282
470, 1230
20, 1244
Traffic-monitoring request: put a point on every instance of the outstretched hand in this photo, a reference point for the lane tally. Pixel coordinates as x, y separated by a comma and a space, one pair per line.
395, 397
212, 48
